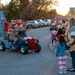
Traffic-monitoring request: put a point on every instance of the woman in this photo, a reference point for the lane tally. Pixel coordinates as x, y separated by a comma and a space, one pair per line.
7, 29
71, 43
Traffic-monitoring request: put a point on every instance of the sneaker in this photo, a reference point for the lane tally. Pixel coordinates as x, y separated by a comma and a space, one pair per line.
71, 70
13, 47
64, 71
60, 72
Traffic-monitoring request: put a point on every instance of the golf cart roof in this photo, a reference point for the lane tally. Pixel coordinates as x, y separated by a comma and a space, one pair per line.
2, 19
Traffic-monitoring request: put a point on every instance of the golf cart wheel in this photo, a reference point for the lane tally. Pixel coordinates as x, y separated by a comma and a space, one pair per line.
24, 49
2, 46
38, 48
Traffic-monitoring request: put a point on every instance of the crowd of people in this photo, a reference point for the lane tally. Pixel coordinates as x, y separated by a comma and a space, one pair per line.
12, 31
61, 28
59, 36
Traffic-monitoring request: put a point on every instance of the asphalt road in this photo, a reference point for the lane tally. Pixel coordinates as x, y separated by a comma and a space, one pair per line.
43, 63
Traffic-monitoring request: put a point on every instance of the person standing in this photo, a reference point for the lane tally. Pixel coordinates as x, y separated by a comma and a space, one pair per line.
64, 26
14, 35
60, 32
71, 43
61, 54
53, 36
7, 29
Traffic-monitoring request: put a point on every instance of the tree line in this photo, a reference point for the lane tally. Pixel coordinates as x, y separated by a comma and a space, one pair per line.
29, 9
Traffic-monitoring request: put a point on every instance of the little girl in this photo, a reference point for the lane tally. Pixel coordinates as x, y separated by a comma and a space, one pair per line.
61, 54
53, 36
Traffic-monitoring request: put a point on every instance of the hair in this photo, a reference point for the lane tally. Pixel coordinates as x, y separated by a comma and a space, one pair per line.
60, 31
63, 21
62, 39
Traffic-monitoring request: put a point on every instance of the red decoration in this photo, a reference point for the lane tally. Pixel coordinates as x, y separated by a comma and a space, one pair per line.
32, 43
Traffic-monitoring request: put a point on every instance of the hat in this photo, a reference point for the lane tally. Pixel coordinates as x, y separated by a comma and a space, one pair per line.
6, 27
55, 19
58, 26
14, 25
19, 24
6, 23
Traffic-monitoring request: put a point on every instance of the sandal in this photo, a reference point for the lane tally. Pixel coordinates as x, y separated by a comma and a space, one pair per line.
13, 47
71, 70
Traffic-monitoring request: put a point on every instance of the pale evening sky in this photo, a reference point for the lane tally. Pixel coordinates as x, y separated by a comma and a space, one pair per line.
63, 8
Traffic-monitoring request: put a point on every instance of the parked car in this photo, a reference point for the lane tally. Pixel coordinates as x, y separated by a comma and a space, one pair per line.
47, 22
32, 24
41, 22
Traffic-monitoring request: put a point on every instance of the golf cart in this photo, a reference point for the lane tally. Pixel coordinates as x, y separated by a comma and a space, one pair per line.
24, 43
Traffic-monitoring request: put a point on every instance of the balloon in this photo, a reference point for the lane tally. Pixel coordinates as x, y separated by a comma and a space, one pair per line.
58, 26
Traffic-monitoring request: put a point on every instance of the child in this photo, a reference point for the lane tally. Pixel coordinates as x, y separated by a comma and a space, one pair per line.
59, 32
53, 36
61, 54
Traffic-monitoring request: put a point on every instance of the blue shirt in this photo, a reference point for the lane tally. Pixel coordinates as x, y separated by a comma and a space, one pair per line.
60, 49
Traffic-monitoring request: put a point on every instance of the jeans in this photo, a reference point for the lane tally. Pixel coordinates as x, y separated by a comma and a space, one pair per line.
73, 58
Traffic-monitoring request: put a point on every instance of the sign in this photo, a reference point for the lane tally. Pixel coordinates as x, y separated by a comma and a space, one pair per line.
72, 10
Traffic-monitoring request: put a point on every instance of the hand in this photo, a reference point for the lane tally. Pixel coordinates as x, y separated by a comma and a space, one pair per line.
68, 44
56, 38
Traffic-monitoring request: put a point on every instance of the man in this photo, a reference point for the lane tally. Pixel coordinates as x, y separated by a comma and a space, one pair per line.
7, 29
15, 33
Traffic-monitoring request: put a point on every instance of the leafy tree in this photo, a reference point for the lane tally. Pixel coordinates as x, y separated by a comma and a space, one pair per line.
45, 5
14, 8
2, 7
53, 13
39, 9
29, 9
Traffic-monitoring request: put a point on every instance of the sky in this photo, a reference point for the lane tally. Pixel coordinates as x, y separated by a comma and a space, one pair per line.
5, 1
63, 7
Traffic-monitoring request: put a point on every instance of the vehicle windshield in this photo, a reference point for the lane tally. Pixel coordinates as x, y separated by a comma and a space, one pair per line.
38, 20
31, 22
45, 20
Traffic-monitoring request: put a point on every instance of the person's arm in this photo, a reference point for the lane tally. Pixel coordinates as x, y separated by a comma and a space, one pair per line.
70, 42
57, 49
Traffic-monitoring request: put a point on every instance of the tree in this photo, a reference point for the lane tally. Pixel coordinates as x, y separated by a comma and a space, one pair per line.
53, 13
14, 8
2, 7
38, 9
29, 9
43, 5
